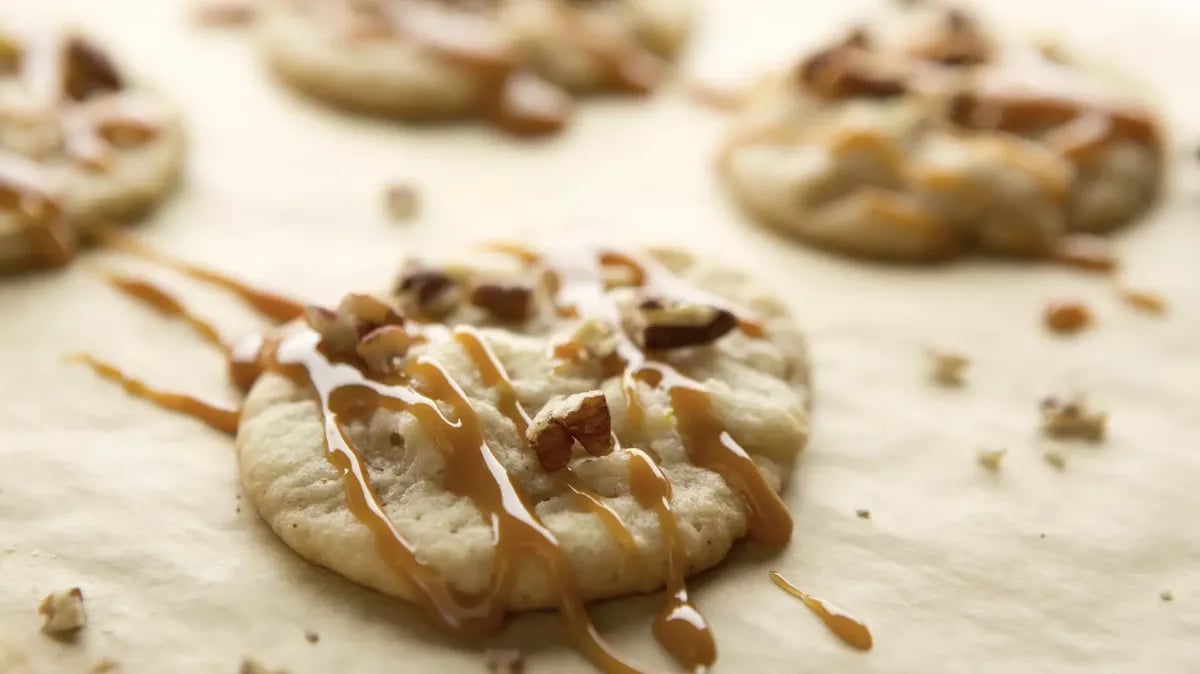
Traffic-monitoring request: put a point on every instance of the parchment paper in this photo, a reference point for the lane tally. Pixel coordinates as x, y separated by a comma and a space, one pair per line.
957, 570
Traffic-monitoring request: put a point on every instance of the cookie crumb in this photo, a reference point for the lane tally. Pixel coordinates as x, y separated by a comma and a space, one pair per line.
1166, 595
863, 514
1055, 456
1143, 301
1066, 318
505, 661
1071, 419
252, 666
311, 636
1041, 535
991, 458
222, 13
105, 666
947, 368
402, 202
64, 612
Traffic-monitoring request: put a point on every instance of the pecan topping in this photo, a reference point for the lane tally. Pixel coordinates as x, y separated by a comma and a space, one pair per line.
89, 71
505, 302
958, 42
673, 324
844, 71
383, 348
947, 369
582, 418
356, 316
428, 291
63, 612
1071, 419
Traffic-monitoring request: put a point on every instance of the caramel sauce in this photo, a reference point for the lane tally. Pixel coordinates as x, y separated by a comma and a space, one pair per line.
679, 627
158, 298
270, 305
1066, 317
845, 626
752, 328
1085, 251
1144, 301
220, 418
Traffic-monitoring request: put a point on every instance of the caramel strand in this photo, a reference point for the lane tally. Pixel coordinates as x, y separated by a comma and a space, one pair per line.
220, 418
845, 626
146, 292
273, 306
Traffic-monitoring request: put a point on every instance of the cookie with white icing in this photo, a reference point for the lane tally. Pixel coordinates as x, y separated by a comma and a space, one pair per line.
921, 145
78, 144
510, 61
486, 438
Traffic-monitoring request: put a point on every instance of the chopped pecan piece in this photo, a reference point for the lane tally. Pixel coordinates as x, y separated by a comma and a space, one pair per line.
675, 324
843, 71
428, 291
947, 369
63, 612
958, 42
507, 302
582, 417
1071, 419
368, 311
991, 458
89, 71
401, 202
383, 348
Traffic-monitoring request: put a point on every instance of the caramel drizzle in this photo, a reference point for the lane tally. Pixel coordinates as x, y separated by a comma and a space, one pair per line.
158, 299
845, 626
220, 418
705, 439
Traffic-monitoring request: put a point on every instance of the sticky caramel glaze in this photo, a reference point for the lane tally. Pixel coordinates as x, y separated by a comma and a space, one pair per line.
493, 375
343, 392
679, 627
845, 626
1022, 114
148, 293
707, 443
220, 418
270, 305
25, 191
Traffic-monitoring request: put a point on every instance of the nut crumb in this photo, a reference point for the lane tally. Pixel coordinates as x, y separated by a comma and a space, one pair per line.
991, 458
311, 636
63, 612
582, 417
252, 666
947, 368
1055, 456
402, 202
672, 324
863, 513
105, 666
505, 661
1066, 317
1071, 419
1166, 595
1143, 301
222, 13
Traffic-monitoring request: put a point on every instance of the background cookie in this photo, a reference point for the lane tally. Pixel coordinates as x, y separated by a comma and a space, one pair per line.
920, 147
77, 144
757, 387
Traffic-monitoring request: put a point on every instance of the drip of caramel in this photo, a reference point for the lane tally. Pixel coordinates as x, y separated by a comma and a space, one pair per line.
159, 299
679, 627
270, 305
220, 418
845, 626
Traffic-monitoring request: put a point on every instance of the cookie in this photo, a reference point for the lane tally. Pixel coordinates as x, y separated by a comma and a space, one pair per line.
78, 144
921, 145
509, 61
507, 433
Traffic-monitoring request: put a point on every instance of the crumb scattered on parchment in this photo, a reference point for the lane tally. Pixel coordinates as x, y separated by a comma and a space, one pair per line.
63, 612
990, 458
252, 666
105, 666
311, 636
505, 661
401, 202
1071, 419
863, 513
1144, 301
1166, 595
1066, 318
1041, 535
222, 13
947, 368
1055, 456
